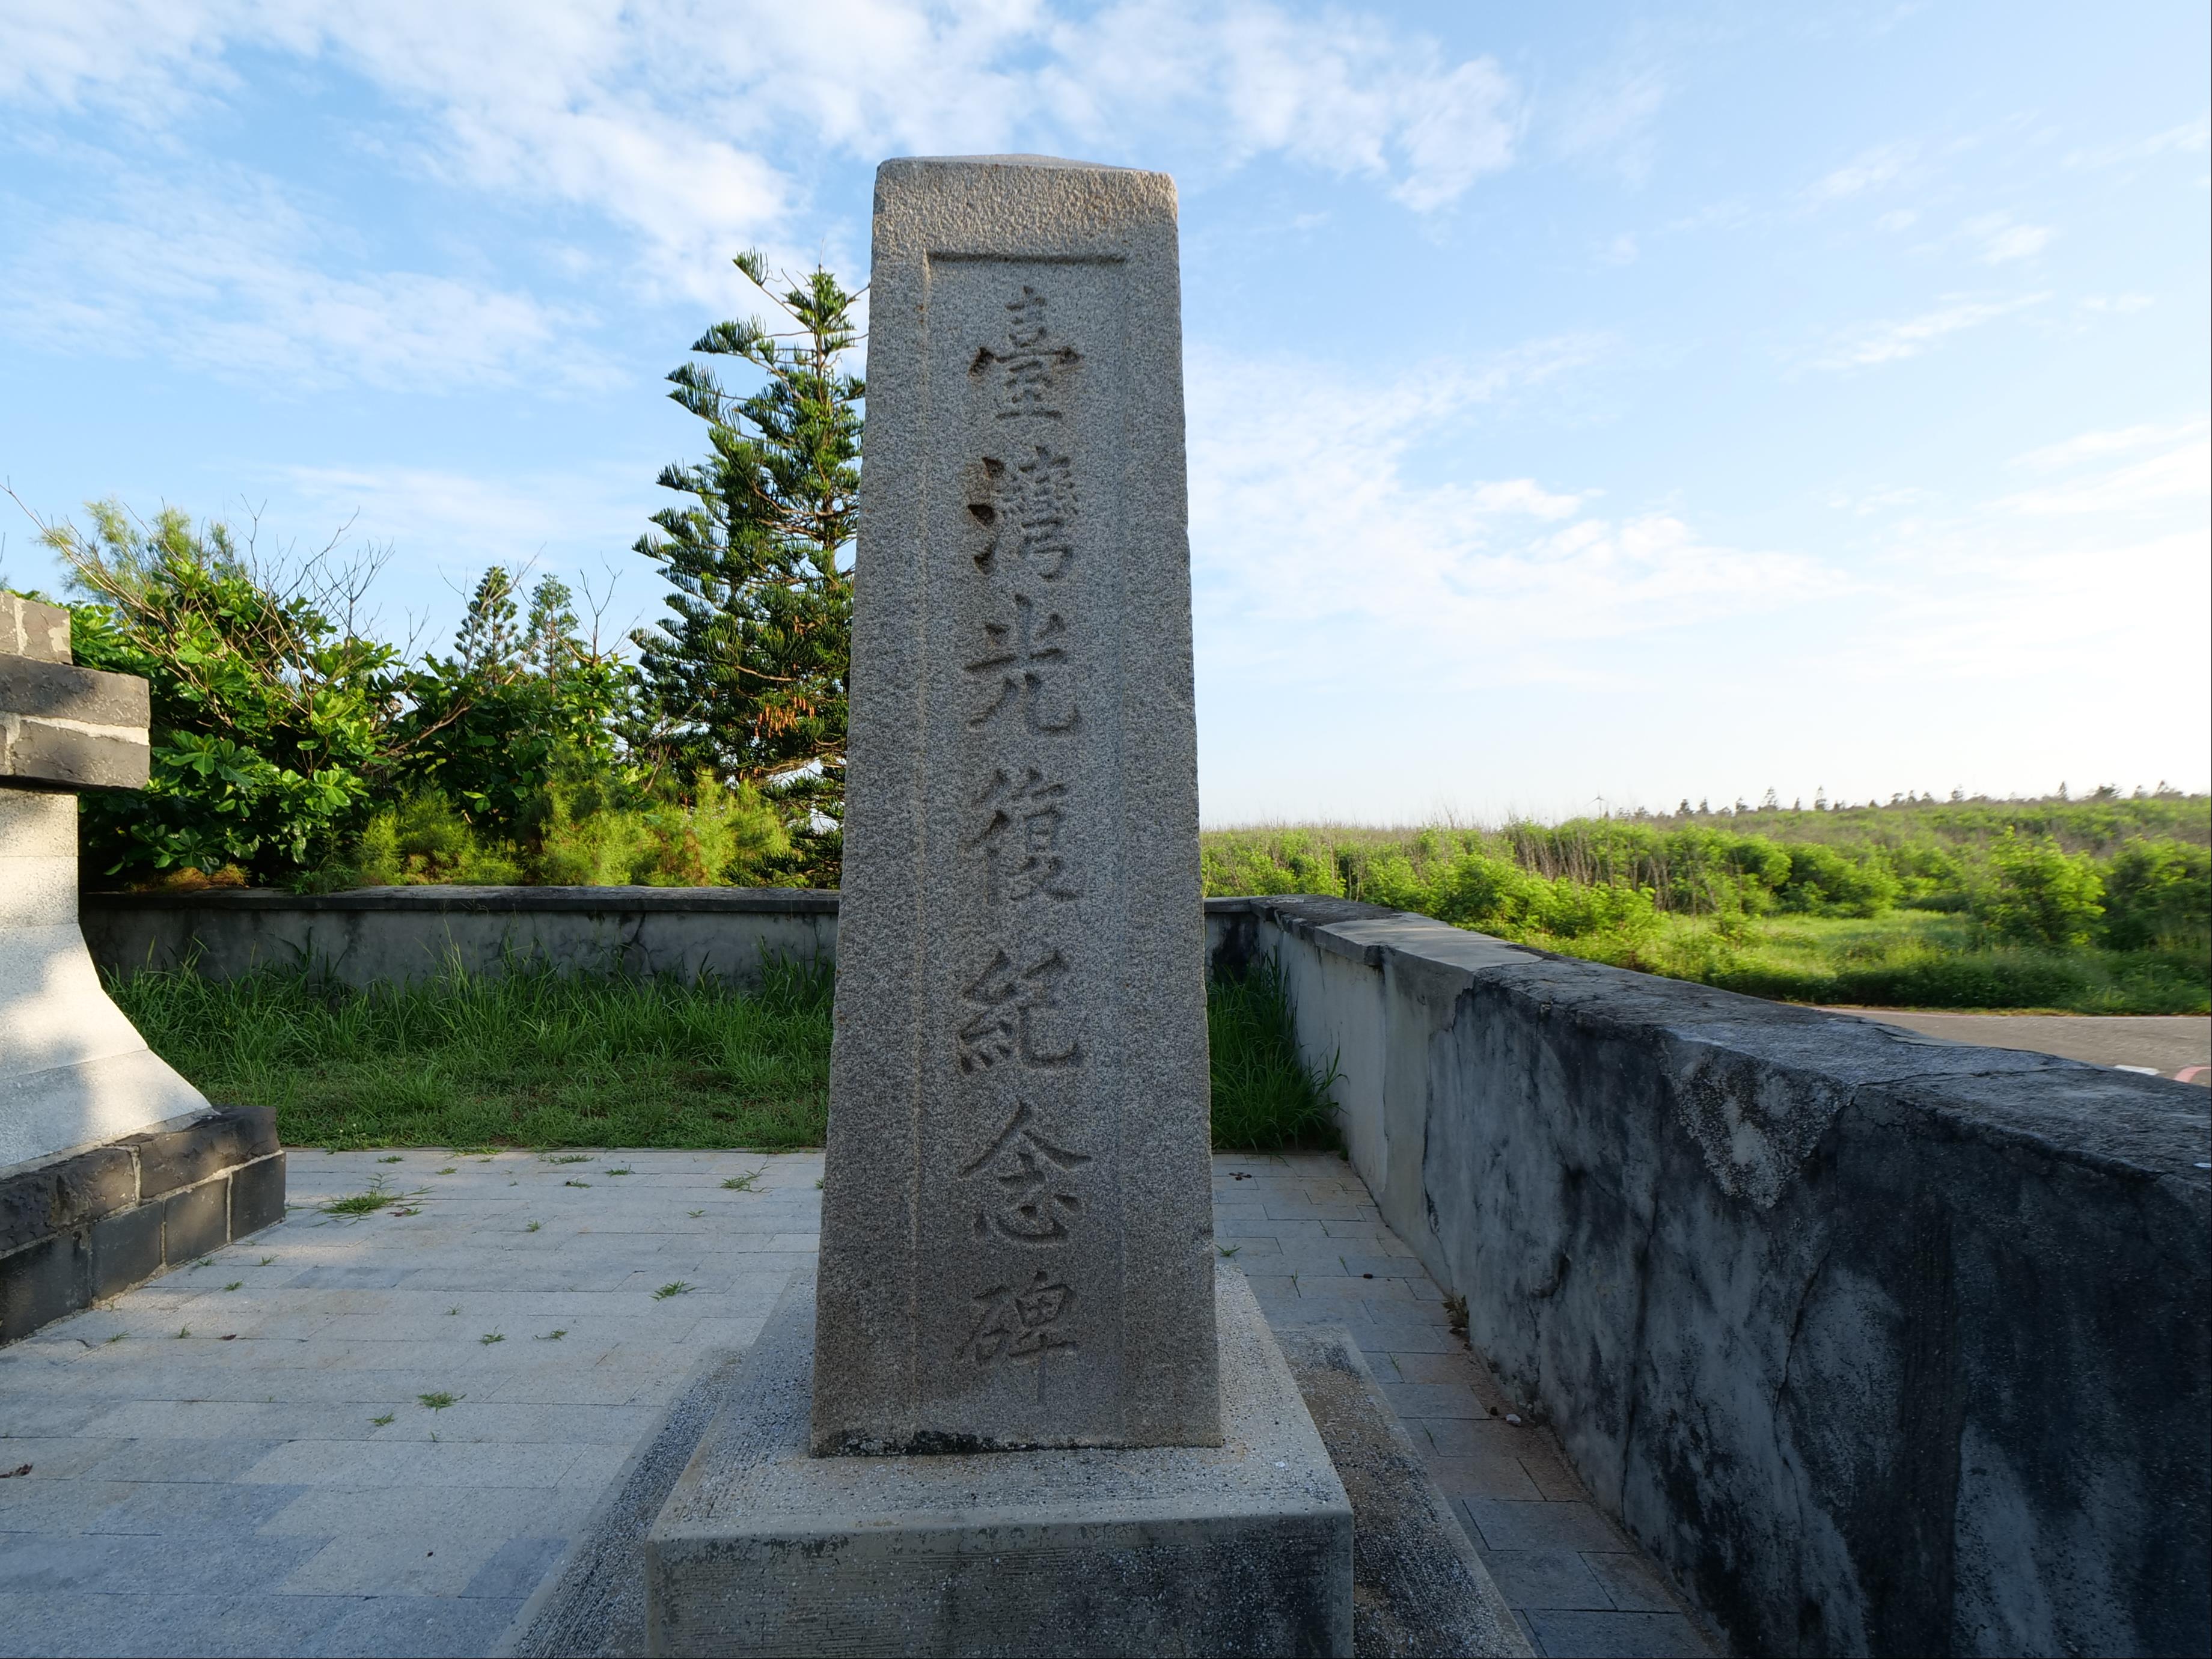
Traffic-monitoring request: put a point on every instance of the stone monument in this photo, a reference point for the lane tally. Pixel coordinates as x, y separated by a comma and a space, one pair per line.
1015, 1412
111, 1166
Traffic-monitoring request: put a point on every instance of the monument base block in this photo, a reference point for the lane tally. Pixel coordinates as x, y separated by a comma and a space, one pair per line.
1243, 1548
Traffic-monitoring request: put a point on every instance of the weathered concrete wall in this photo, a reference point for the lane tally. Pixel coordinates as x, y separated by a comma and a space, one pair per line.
387, 934
1883, 1345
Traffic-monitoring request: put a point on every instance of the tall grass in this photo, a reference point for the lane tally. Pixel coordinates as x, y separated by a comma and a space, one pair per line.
1267, 1097
534, 1059
2102, 906
543, 1059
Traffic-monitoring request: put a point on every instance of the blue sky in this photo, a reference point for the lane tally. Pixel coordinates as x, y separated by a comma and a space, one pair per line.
1608, 402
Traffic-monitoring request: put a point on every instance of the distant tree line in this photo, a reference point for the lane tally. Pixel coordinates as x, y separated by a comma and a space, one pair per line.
291, 747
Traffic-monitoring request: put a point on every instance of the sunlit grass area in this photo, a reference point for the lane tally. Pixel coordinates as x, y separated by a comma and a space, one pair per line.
532, 1058
547, 1060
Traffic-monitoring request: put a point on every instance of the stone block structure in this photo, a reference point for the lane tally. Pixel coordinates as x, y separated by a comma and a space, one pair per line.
111, 1166
1037, 1423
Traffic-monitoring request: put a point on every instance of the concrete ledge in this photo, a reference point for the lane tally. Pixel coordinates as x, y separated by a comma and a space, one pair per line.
386, 935
1244, 1548
380, 934
75, 1231
1879, 1345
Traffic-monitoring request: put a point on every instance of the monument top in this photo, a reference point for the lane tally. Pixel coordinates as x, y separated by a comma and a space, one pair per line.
1017, 1219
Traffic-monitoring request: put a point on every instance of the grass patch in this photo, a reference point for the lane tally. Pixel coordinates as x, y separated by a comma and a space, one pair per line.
534, 1059
547, 1061
1266, 1098
1903, 959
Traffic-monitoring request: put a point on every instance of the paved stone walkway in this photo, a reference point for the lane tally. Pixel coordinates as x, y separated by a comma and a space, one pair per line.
375, 1434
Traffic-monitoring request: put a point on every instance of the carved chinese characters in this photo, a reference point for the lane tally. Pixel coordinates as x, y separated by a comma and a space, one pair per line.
1016, 1213
1027, 769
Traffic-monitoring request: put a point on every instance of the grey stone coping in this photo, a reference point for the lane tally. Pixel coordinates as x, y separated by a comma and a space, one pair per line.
767, 901
744, 901
1728, 1044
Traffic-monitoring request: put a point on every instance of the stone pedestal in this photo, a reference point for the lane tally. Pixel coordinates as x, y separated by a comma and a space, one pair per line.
1240, 1548
111, 1165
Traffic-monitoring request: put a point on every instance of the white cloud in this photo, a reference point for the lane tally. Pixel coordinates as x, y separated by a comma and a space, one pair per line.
2003, 240
1309, 510
1868, 171
2091, 446
1620, 251
1875, 344
2120, 303
231, 277
660, 114
1896, 220
2181, 471
1610, 117
2189, 136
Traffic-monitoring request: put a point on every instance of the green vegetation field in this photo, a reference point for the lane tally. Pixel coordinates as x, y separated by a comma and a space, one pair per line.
545, 1060
2096, 906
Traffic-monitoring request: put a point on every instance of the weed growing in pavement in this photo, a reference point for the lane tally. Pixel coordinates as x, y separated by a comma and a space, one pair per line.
612, 1172
534, 1226
490, 1337
744, 1183
379, 1194
695, 1214
379, 1422
234, 1284
118, 1336
674, 1288
264, 1261
439, 1401
576, 1157
394, 1158
550, 1336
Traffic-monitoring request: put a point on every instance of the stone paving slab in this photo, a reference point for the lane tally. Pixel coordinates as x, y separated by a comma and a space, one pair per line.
274, 1482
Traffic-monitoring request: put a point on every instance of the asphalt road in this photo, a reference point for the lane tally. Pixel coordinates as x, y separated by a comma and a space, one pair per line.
2171, 1045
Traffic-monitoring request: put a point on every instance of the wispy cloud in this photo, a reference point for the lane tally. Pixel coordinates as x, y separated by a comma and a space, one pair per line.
1872, 344
2186, 139
1310, 510
1870, 170
2004, 238
2180, 471
1611, 118
232, 278
661, 115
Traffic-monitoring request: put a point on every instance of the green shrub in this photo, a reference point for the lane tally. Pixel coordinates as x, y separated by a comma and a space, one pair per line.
2158, 893
2040, 895
1823, 881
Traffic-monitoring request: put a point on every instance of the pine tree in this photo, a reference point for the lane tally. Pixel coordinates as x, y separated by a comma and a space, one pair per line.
746, 677
549, 638
487, 643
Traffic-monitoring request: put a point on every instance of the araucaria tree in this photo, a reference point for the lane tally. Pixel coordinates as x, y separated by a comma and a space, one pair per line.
746, 677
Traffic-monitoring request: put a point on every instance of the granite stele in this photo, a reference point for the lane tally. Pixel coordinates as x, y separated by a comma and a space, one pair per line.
1017, 1413
111, 1166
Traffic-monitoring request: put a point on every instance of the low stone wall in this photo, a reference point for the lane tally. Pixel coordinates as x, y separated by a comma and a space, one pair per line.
388, 934
1882, 1344
77, 1230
